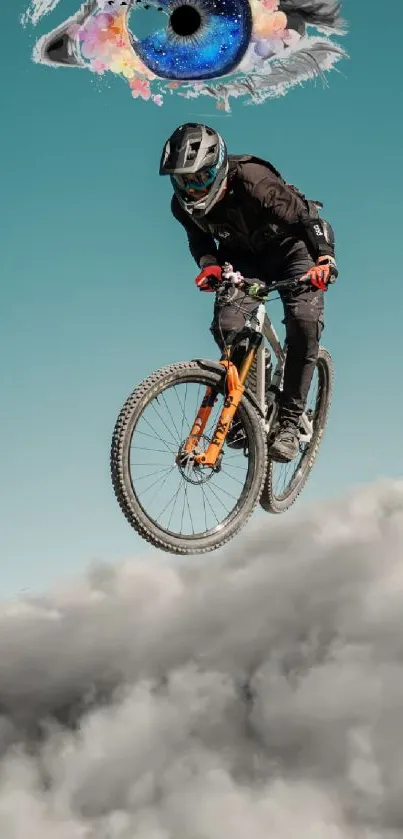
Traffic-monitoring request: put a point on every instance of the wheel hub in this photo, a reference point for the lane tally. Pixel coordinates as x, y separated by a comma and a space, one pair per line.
192, 472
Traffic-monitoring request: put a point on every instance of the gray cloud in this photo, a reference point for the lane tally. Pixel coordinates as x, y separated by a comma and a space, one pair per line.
259, 695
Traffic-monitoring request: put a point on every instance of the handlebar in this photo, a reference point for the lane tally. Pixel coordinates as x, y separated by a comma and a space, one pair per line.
234, 278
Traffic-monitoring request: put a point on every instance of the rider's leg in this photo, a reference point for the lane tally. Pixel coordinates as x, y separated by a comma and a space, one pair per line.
230, 314
304, 321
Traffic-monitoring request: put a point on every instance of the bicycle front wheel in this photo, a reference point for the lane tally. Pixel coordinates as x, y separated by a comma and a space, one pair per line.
184, 509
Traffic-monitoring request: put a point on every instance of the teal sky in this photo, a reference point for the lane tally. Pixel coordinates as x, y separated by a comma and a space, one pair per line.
97, 284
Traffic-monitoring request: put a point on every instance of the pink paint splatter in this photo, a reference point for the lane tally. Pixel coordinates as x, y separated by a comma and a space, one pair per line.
140, 87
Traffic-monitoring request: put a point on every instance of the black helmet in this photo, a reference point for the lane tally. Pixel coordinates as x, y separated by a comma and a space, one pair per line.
195, 156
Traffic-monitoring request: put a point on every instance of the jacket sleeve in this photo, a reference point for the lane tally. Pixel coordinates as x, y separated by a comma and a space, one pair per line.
287, 209
200, 243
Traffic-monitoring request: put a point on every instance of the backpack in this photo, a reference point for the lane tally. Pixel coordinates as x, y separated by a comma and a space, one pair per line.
312, 206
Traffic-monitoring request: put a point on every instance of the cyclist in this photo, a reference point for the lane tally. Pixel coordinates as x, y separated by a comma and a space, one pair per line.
239, 209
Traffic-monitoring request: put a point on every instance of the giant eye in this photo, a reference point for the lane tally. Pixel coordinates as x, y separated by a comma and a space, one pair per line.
203, 39
261, 47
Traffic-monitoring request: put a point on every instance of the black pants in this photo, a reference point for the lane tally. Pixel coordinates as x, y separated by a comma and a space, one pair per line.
303, 319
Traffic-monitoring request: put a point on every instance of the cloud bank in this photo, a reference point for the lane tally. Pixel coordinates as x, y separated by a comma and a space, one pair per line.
259, 696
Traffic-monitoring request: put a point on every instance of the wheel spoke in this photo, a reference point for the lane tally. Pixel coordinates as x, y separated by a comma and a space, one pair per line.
150, 474
211, 508
174, 498
145, 434
157, 435
164, 423
157, 481
173, 421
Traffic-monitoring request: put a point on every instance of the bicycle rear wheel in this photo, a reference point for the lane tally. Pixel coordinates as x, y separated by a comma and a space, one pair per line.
285, 482
184, 509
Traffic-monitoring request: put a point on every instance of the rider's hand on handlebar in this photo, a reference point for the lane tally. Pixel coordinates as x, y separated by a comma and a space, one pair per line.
209, 278
324, 272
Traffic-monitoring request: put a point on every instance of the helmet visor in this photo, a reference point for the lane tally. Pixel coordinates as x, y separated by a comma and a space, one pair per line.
197, 183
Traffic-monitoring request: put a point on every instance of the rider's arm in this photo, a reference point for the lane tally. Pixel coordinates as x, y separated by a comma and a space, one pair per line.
201, 245
284, 207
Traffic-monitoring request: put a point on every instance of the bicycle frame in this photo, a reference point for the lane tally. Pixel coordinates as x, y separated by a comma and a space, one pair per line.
235, 386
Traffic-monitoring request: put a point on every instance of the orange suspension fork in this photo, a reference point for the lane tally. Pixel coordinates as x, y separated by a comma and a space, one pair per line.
235, 386
201, 420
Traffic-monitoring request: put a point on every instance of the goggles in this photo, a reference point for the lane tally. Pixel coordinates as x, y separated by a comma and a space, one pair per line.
197, 181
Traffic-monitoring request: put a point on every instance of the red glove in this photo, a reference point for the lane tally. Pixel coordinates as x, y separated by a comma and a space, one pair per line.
209, 278
324, 272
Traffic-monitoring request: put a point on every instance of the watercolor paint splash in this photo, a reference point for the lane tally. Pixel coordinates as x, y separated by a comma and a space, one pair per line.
218, 48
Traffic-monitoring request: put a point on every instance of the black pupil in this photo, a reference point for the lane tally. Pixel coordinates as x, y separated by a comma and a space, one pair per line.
185, 20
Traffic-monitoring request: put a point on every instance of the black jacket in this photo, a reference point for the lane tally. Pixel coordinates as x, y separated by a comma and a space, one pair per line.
259, 214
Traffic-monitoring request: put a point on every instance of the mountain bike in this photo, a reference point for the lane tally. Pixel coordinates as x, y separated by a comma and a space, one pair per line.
182, 480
